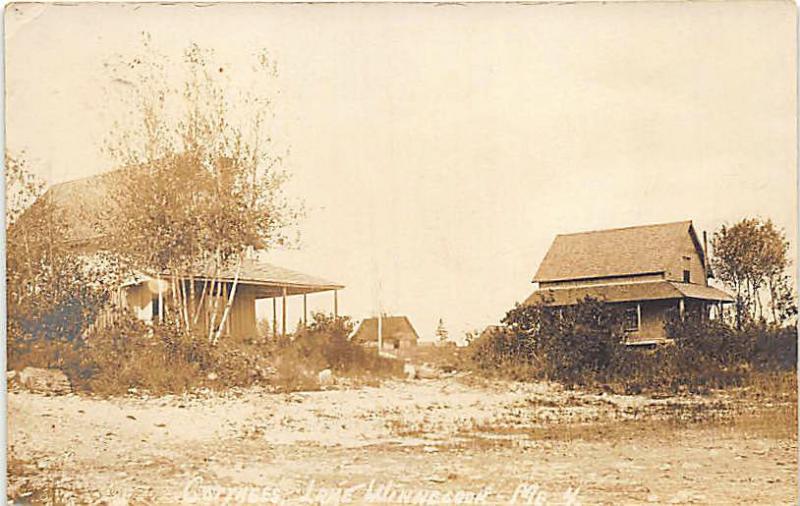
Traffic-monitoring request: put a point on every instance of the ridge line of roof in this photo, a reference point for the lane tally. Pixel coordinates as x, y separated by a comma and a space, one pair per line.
597, 231
83, 178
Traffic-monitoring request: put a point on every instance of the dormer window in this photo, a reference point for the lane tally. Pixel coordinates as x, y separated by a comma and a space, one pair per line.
687, 276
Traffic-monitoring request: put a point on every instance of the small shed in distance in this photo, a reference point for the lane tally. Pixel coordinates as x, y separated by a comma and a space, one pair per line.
398, 335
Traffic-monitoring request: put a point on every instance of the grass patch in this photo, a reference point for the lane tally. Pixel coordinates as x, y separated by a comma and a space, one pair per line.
776, 422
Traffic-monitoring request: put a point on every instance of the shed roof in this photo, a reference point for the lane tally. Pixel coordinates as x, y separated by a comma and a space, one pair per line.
265, 279
615, 252
270, 280
628, 292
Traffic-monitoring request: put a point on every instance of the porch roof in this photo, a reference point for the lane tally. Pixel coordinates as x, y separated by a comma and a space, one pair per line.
628, 292
262, 274
267, 280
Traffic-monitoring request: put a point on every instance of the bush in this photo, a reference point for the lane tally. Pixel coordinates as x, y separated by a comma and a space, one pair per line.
574, 345
582, 345
161, 359
500, 349
131, 354
773, 348
325, 344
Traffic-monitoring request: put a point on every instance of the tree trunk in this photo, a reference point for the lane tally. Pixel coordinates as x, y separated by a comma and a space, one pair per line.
229, 302
773, 296
198, 308
191, 305
214, 306
185, 305
176, 300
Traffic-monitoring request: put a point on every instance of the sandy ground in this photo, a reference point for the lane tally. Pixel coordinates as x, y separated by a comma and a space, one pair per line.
436, 441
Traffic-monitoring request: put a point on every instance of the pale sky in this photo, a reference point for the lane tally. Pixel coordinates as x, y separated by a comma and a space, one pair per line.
439, 149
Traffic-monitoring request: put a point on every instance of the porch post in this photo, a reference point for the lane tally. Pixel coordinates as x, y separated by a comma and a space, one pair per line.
639, 316
160, 302
681, 308
336, 303
305, 309
274, 317
283, 309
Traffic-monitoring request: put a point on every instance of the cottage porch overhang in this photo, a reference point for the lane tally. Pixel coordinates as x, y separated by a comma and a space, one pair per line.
629, 292
262, 281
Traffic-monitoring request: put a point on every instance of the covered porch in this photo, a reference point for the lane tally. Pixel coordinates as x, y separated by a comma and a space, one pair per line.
647, 305
151, 299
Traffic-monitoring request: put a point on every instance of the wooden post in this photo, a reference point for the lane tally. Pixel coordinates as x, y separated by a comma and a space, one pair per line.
305, 310
681, 308
638, 317
336, 303
283, 308
160, 302
274, 317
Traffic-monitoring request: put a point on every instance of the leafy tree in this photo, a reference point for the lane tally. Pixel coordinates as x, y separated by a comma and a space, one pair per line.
201, 187
52, 292
751, 258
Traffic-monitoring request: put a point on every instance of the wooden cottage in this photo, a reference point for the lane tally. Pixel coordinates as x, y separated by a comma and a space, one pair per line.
397, 334
85, 206
648, 270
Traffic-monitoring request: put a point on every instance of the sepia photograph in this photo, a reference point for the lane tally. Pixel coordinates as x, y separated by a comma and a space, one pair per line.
395, 253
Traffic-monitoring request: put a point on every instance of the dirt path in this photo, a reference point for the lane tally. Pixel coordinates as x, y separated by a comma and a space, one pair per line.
443, 440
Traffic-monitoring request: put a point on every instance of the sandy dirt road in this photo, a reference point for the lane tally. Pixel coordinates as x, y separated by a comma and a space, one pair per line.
435, 442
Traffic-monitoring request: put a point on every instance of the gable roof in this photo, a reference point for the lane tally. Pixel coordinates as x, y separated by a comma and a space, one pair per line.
626, 251
392, 327
628, 292
83, 205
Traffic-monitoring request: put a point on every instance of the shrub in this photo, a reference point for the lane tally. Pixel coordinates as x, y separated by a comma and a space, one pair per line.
501, 348
773, 348
131, 354
161, 358
574, 345
582, 344
325, 344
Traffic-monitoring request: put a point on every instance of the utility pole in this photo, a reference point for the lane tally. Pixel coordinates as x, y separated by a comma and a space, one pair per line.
380, 331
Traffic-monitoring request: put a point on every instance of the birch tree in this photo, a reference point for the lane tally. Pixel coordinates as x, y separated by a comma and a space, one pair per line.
200, 183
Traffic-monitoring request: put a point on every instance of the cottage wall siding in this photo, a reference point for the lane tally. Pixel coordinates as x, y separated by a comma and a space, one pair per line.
653, 320
243, 313
686, 248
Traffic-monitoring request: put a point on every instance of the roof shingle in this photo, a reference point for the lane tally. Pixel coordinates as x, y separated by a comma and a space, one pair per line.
615, 252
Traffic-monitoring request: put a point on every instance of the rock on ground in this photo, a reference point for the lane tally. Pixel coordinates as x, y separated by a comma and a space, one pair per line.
325, 378
426, 371
47, 381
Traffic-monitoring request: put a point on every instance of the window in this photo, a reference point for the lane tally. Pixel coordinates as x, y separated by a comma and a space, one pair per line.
687, 276
396, 344
631, 319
